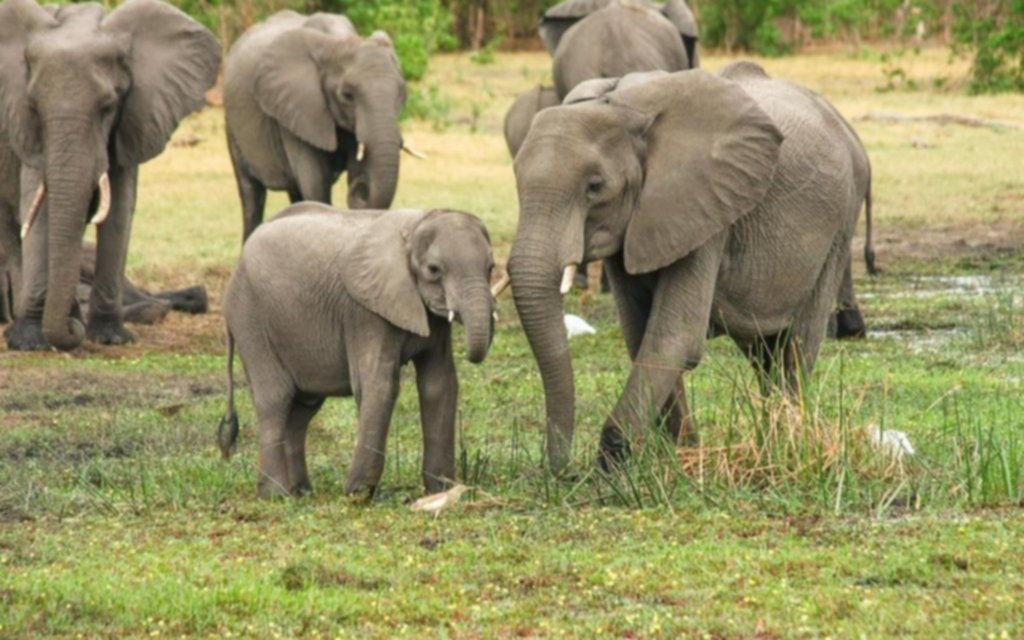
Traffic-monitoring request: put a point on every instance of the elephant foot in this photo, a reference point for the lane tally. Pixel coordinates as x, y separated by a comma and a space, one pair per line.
26, 334
269, 488
149, 312
614, 448
108, 331
360, 492
190, 300
849, 324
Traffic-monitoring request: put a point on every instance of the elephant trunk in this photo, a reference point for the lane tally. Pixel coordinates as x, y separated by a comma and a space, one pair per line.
383, 145
536, 272
69, 191
477, 312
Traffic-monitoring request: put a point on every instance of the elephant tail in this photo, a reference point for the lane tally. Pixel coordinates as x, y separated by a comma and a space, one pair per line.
227, 430
869, 246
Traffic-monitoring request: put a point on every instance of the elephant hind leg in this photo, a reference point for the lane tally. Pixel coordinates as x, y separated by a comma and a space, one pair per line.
303, 409
772, 359
811, 320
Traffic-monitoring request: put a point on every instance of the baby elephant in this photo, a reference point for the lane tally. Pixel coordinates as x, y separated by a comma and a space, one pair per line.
328, 303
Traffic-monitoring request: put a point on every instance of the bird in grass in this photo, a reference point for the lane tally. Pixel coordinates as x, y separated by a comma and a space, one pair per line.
437, 502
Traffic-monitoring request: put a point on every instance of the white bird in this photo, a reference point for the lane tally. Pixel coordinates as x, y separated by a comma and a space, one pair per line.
895, 443
436, 502
577, 326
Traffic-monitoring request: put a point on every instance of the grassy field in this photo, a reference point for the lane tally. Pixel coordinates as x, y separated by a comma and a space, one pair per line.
118, 519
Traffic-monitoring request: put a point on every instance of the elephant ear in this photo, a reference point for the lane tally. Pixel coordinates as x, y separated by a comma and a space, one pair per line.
679, 14
711, 154
377, 273
18, 19
331, 24
289, 88
173, 61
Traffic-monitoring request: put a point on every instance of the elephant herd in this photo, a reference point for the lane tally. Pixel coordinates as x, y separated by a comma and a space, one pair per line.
717, 203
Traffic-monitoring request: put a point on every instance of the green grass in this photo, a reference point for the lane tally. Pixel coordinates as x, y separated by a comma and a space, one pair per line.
118, 519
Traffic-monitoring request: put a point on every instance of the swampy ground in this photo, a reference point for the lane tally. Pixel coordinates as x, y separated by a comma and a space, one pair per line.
118, 518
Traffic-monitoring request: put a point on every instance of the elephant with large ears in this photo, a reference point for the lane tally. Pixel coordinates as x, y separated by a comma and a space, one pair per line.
324, 304
723, 201
306, 98
87, 96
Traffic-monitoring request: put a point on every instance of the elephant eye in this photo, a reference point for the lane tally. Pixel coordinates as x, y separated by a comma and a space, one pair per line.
594, 186
434, 270
348, 95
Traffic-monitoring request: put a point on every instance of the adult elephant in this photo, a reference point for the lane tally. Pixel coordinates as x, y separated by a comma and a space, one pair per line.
613, 40
726, 201
306, 99
88, 96
603, 48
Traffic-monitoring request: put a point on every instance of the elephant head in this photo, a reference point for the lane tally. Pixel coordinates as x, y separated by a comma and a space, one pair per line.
83, 91
561, 17
315, 81
648, 172
405, 264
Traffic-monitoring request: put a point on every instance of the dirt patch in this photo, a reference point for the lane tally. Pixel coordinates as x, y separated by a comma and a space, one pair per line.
967, 246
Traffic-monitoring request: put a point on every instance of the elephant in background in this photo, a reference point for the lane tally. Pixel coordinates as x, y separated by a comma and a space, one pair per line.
305, 99
608, 43
724, 201
139, 305
87, 96
324, 303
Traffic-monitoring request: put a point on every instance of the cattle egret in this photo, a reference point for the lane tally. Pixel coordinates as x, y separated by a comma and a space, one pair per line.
437, 502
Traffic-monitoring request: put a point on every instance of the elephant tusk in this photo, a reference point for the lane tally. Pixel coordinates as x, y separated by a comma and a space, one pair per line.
451, 316
33, 210
360, 152
103, 210
495, 316
419, 155
499, 287
567, 278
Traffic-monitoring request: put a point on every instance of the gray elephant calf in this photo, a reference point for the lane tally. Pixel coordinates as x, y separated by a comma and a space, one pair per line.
333, 304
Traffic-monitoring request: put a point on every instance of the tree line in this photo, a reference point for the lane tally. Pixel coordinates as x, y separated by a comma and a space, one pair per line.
989, 31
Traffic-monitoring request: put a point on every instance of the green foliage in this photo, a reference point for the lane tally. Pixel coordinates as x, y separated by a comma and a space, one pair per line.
994, 34
418, 28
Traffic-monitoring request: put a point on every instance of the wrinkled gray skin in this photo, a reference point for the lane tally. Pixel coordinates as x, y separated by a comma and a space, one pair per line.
300, 94
138, 305
724, 201
324, 303
84, 92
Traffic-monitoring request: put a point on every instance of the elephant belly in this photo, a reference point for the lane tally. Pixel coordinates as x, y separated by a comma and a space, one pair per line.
771, 269
320, 369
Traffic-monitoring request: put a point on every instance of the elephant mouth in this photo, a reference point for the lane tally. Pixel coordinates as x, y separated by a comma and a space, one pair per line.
100, 204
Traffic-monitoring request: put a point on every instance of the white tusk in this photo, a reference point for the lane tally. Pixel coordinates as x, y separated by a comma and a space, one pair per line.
567, 278
451, 316
495, 316
419, 155
103, 210
33, 210
499, 287
360, 152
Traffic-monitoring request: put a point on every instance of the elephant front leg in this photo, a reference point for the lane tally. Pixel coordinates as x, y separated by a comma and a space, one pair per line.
634, 299
106, 317
26, 333
673, 342
437, 383
376, 389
